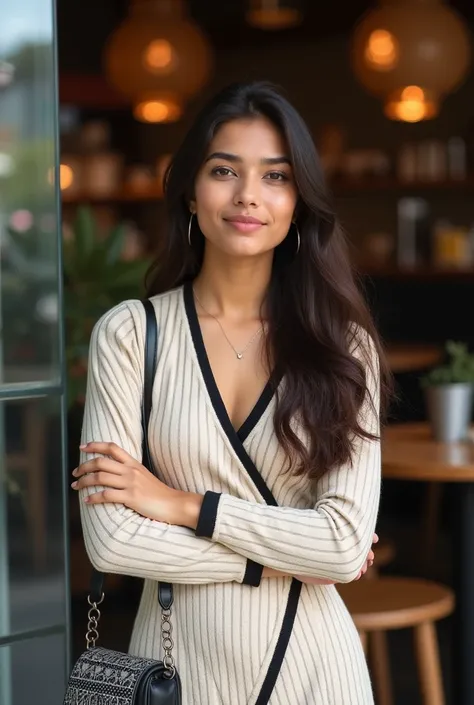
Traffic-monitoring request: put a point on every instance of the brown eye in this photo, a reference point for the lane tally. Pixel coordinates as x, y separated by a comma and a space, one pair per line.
222, 171
276, 176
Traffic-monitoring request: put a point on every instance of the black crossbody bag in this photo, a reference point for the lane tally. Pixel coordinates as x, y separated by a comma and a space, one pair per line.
105, 677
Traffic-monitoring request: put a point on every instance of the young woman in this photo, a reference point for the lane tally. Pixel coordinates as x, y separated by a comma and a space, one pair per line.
265, 423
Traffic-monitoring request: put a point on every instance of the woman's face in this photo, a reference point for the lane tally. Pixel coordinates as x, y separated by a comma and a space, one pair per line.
245, 194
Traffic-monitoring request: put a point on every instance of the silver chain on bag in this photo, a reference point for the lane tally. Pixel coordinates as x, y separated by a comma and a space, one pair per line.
93, 617
167, 642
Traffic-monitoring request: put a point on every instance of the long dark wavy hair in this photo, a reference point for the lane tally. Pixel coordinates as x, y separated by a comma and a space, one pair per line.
316, 312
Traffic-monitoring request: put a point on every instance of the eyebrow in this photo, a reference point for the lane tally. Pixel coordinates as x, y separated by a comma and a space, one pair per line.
234, 158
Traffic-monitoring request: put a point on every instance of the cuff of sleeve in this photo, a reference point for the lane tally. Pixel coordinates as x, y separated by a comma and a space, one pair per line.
208, 515
253, 574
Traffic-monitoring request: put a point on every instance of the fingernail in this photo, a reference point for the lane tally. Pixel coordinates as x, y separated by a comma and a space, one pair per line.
86, 499
74, 472
84, 445
74, 485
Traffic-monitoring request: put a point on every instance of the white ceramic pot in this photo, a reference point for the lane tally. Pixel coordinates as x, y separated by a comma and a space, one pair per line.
449, 408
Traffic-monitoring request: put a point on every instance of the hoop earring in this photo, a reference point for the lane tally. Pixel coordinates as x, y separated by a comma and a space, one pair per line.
298, 241
189, 228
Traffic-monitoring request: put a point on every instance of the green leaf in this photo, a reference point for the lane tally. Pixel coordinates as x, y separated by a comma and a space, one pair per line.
115, 243
84, 232
458, 368
129, 274
95, 280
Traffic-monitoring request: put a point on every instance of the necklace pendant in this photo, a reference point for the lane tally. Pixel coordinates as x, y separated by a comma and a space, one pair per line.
239, 356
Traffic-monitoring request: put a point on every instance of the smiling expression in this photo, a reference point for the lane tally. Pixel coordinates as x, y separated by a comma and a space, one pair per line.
245, 194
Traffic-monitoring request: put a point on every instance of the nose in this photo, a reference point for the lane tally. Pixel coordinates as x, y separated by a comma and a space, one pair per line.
246, 193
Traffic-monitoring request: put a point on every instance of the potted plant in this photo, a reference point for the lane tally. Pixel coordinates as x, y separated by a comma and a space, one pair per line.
448, 392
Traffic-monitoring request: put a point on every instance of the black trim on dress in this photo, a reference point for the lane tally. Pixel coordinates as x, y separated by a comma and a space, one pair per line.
282, 643
205, 528
253, 574
218, 404
208, 515
236, 438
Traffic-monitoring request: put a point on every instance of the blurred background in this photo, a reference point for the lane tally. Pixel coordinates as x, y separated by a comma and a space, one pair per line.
94, 99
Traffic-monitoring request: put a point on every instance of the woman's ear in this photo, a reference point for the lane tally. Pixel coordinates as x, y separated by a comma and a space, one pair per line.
192, 206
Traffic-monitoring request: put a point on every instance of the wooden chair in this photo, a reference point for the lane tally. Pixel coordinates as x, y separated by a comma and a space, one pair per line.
384, 604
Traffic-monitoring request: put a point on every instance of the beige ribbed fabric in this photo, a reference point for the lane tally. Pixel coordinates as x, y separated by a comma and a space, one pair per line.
225, 631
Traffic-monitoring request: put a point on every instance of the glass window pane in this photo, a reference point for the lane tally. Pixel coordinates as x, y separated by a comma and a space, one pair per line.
31, 521
33, 671
28, 214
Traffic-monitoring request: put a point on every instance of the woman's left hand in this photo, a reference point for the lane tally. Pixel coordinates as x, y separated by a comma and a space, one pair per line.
128, 482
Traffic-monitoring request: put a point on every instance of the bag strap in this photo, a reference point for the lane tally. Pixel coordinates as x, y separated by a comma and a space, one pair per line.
165, 590
149, 371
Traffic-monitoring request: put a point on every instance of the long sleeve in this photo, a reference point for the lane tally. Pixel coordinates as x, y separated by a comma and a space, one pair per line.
117, 539
332, 539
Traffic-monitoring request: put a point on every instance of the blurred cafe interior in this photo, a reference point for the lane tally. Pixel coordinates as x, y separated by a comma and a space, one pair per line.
386, 87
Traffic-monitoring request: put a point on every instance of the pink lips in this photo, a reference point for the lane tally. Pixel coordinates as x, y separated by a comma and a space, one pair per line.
244, 223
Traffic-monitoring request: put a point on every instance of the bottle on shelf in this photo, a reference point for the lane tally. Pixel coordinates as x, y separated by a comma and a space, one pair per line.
457, 158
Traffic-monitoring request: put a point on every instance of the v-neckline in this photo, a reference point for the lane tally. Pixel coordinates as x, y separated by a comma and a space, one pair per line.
263, 400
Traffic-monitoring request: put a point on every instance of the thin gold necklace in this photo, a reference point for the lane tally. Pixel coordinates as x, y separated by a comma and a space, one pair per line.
239, 355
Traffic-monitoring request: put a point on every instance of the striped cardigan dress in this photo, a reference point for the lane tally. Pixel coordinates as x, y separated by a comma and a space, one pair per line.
227, 619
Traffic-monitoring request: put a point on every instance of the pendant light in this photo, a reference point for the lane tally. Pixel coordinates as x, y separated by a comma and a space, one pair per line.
158, 58
273, 14
411, 53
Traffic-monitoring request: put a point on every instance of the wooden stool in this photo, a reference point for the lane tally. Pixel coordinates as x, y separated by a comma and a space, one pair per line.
384, 604
376, 646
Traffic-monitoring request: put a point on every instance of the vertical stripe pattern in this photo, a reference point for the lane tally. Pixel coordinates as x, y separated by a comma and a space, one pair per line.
226, 631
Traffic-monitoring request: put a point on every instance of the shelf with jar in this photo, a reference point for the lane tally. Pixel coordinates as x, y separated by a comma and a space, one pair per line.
92, 171
102, 178
412, 167
424, 245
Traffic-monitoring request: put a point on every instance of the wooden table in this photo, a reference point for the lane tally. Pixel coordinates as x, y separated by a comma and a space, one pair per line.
409, 357
410, 453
